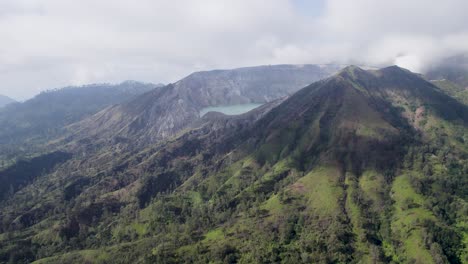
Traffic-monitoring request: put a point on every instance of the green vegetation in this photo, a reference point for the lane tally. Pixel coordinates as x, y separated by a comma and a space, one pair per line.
344, 171
322, 190
408, 217
458, 91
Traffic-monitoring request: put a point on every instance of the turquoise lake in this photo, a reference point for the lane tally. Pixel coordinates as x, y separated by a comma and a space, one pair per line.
230, 109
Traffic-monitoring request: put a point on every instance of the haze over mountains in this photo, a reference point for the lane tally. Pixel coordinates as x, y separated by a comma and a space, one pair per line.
43, 117
5, 100
337, 166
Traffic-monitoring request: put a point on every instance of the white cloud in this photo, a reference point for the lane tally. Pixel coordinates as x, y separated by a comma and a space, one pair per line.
410, 33
53, 43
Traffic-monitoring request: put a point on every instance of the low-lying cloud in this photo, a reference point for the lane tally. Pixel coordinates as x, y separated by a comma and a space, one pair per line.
54, 43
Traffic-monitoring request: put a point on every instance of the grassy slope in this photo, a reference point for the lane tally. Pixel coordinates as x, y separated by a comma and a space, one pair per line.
453, 89
408, 215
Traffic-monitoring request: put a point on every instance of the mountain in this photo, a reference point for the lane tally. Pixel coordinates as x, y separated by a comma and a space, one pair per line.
164, 112
42, 117
454, 69
451, 75
5, 100
362, 167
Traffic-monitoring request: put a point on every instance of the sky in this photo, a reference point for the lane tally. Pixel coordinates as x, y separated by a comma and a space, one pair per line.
48, 44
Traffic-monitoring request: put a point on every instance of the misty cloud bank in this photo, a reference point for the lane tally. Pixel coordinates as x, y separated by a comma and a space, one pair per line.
53, 43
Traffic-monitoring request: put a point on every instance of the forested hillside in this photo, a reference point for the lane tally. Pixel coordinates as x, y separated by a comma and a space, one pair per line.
362, 167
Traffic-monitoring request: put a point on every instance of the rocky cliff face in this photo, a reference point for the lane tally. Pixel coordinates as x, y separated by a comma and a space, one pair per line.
250, 85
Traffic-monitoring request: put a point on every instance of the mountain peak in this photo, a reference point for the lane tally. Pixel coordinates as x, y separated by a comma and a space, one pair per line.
395, 69
388, 76
353, 72
351, 68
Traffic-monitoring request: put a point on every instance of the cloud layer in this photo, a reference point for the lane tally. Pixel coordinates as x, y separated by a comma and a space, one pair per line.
54, 43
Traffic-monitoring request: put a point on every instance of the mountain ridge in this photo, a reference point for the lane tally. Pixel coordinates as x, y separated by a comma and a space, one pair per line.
32, 123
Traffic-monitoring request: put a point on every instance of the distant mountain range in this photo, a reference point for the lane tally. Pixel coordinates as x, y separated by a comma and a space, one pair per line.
43, 117
338, 165
5, 100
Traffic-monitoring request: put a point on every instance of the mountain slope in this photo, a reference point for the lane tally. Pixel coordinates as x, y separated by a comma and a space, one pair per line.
5, 100
451, 75
453, 89
363, 167
453, 69
163, 113
42, 117
325, 177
